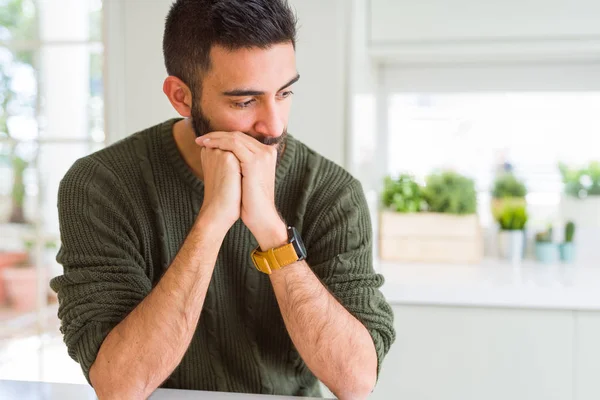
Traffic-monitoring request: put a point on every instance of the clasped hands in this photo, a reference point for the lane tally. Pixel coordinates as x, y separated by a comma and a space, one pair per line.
239, 182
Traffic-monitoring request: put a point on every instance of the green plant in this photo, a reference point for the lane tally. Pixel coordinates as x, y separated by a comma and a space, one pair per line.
17, 18
18, 191
569, 231
544, 236
402, 194
513, 218
581, 182
450, 192
508, 185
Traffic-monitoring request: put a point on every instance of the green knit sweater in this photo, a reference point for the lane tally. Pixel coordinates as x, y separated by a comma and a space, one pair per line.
125, 211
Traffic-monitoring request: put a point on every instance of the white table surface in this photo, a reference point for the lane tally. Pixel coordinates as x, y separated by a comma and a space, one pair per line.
22, 390
493, 284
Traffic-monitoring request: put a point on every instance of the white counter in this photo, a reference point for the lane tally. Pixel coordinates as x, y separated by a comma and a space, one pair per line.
21, 390
494, 284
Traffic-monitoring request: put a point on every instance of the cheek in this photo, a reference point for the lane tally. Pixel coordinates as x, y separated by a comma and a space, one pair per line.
227, 119
287, 106
235, 120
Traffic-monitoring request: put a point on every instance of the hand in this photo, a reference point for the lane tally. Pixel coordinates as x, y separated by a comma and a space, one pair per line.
258, 163
222, 187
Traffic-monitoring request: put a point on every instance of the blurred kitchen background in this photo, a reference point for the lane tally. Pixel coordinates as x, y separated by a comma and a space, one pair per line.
473, 126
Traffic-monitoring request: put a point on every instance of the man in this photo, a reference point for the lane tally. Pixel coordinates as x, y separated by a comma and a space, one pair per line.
182, 244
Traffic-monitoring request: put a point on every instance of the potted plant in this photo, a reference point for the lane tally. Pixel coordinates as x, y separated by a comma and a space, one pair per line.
432, 223
511, 240
508, 190
580, 202
8, 259
20, 279
546, 251
450, 193
402, 194
567, 247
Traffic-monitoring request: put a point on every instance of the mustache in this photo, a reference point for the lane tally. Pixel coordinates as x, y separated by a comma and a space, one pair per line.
271, 141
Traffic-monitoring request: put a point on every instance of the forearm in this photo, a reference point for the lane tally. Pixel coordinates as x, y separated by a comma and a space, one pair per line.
144, 349
336, 347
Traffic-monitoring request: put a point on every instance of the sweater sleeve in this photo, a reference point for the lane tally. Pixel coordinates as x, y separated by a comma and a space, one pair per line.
103, 272
340, 253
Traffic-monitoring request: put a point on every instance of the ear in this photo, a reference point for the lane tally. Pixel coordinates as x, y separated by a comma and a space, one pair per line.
179, 95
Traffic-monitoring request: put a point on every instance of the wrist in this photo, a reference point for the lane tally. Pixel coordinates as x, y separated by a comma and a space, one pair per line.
272, 234
211, 224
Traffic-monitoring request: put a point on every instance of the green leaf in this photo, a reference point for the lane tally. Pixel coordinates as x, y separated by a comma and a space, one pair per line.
450, 192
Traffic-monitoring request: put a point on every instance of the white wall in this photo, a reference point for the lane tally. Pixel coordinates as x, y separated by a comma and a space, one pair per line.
428, 31
318, 113
471, 20
135, 71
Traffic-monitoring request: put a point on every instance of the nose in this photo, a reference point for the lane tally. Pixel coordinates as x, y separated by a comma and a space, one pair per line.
269, 122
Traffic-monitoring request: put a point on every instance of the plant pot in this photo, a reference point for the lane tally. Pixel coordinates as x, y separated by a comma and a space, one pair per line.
511, 245
546, 253
428, 237
9, 259
567, 252
21, 287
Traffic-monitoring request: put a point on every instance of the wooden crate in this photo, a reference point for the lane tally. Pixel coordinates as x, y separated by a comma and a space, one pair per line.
430, 237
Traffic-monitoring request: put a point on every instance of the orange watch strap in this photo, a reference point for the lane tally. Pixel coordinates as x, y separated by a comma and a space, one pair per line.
274, 259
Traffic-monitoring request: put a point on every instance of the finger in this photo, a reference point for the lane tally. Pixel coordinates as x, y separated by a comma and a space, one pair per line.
252, 144
232, 144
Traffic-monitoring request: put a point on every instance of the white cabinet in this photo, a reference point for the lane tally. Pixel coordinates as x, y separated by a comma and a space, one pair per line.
587, 356
479, 353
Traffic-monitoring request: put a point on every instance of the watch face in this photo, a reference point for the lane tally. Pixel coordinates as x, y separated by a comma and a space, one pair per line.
296, 240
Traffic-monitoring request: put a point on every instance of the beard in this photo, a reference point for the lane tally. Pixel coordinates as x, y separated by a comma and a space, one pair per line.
202, 126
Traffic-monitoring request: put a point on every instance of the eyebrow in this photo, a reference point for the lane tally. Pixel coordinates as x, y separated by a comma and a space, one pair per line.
244, 92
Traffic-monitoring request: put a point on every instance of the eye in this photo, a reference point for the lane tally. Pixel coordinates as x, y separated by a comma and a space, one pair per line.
245, 104
285, 94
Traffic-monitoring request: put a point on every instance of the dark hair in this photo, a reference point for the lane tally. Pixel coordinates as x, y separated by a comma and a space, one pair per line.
193, 27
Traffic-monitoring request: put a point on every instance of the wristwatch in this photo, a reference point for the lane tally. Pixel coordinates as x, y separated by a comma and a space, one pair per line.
274, 259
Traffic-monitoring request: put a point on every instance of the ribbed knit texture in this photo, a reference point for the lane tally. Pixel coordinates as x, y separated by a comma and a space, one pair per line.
126, 210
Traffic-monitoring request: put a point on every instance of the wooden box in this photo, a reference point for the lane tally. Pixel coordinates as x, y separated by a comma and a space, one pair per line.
430, 237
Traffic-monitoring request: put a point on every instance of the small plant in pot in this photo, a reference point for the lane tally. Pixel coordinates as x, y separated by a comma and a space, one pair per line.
567, 248
21, 279
511, 239
433, 223
546, 250
403, 195
508, 190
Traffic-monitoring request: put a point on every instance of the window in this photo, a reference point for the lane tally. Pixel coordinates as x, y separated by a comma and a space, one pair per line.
476, 133
51, 88
473, 117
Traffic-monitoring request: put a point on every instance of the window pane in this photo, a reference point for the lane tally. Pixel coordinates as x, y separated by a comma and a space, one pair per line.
96, 101
18, 91
95, 13
17, 20
18, 127
71, 97
70, 20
